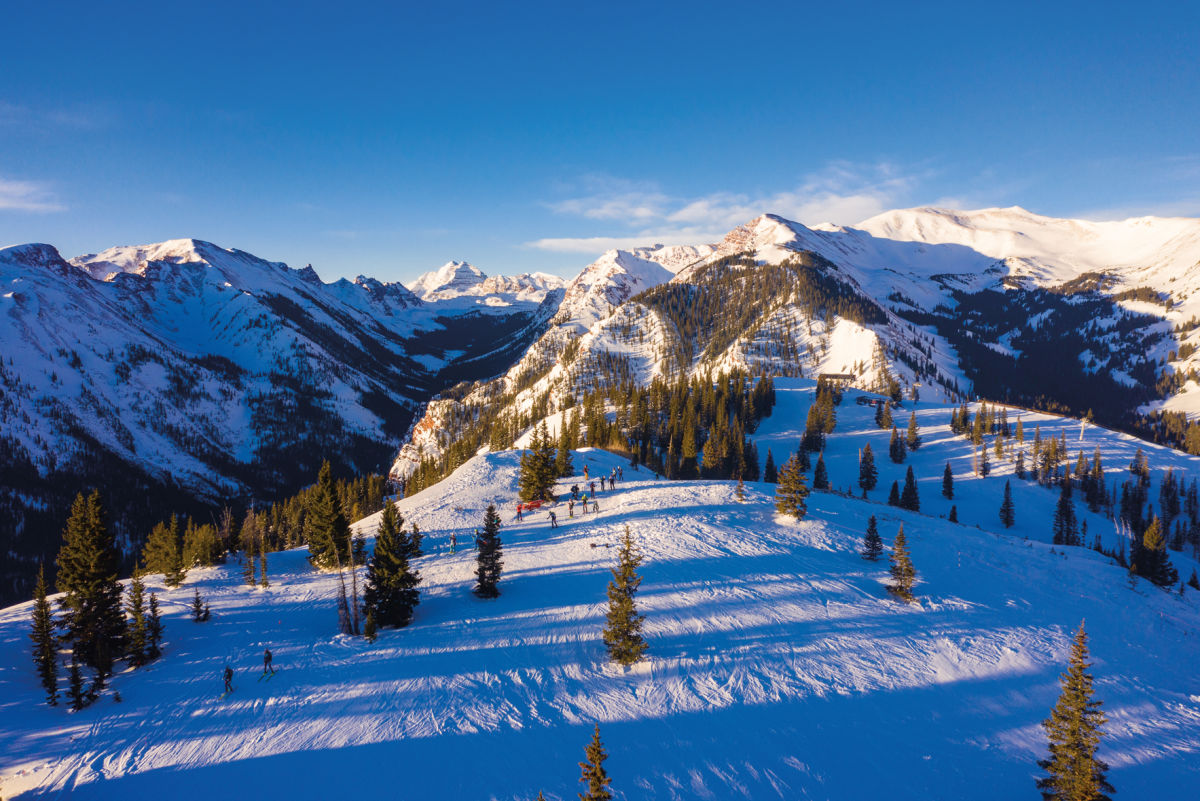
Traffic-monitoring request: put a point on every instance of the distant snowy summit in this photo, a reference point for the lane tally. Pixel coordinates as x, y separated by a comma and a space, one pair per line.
457, 279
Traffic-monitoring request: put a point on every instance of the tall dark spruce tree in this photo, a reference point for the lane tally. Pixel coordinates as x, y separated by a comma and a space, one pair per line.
154, 629
820, 474
770, 474
948, 483
163, 552
896, 450
45, 652
1074, 772
594, 777
623, 623
1007, 509
868, 476
908, 496
902, 570
87, 575
489, 561
391, 593
872, 547
329, 530
912, 437
563, 466
894, 494
792, 489
1065, 527
1152, 561
137, 631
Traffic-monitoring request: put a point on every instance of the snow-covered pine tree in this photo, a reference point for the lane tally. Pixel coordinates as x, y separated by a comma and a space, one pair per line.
792, 489
868, 475
948, 482
45, 652
391, 593
594, 777
820, 474
1007, 510
1074, 729
770, 476
623, 627
909, 499
489, 561
872, 546
896, 450
912, 438
902, 570
87, 575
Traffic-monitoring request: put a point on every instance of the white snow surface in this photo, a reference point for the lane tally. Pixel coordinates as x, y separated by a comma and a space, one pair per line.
778, 666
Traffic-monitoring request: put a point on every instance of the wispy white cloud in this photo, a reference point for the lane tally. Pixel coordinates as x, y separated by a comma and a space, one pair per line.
842, 193
27, 196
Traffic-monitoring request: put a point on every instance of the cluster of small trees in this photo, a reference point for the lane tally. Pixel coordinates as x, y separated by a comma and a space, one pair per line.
541, 464
94, 623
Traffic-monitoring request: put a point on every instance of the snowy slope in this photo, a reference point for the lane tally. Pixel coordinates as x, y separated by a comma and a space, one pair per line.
778, 666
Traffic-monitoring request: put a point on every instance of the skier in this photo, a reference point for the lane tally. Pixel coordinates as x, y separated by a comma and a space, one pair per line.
585, 472
575, 491
620, 473
267, 662
612, 482
595, 506
453, 541
228, 679
592, 487
477, 539
584, 499
571, 508
519, 511
553, 520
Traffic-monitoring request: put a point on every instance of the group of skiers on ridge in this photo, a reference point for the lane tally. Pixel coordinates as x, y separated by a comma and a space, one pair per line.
267, 667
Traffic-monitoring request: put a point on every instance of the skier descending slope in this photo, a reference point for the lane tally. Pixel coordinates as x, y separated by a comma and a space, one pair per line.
267, 662
228, 681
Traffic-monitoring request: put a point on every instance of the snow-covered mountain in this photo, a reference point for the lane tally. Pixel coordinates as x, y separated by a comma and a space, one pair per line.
458, 279
778, 666
182, 373
997, 302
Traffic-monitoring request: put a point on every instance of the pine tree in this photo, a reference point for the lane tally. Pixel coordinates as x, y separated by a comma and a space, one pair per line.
896, 450
329, 530
489, 561
792, 489
154, 629
739, 491
623, 629
594, 777
370, 630
872, 545
908, 497
820, 474
912, 437
868, 476
1019, 467
248, 539
78, 699
903, 573
163, 552
563, 466
197, 606
262, 561
883, 416
948, 482
953, 516
1194, 581
1153, 562
137, 632
894, 494
1073, 730
1006, 507
770, 476
87, 575
1065, 529
391, 593
45, 653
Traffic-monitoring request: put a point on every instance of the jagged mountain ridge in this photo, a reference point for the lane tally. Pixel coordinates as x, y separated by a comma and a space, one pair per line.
182, 373
967, 302
459, 279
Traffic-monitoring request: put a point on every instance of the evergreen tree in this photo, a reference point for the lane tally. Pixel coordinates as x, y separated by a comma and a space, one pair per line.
908, 497
563, 466
391, 593
87, 575
883, 416
154, 629
1073, 730
739, 491
894, 494
163, 552
370, 630
78, 699
1194, 581
792, 489
820, 474
1153, 562
1065, 528
1019, 467
45, 652
329, 530
198, 607
912, 438
903, 573
948, 482
896, 450
872, 545
594, 777
248, 540
769, 474
868, 476
262, 561
953, 516
137, 632
623, 629
1006, 507
489, 561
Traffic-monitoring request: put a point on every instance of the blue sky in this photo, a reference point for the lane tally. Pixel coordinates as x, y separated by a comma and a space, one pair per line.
388, 139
